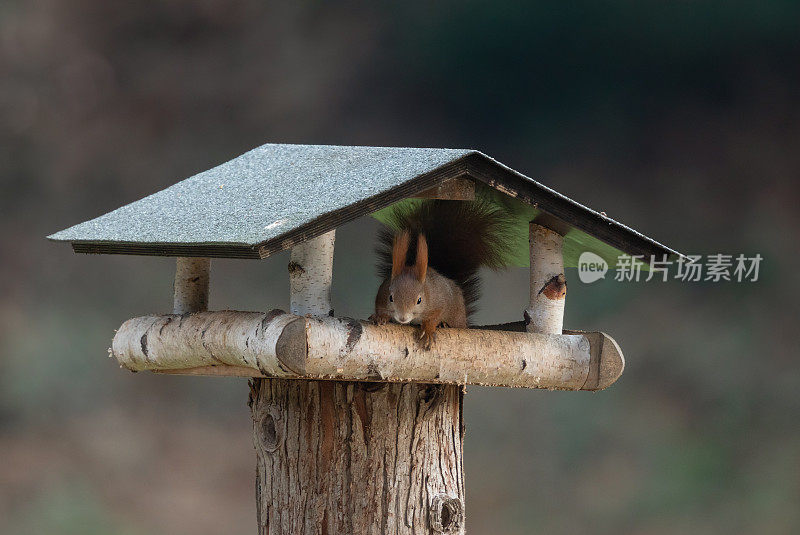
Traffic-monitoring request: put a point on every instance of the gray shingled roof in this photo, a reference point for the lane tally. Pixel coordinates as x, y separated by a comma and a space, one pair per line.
276, 196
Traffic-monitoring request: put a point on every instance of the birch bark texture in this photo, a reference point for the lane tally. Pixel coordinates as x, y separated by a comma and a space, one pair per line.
310, 274
281, 345
191, 285
548, 285
337, 457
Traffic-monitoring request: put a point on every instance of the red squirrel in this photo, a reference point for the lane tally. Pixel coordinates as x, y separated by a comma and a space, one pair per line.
437, 284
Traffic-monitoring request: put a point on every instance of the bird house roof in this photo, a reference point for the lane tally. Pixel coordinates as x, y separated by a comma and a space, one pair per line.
276, 196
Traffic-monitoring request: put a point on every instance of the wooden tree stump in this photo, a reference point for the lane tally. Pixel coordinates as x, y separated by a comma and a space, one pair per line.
353, 458
371, 458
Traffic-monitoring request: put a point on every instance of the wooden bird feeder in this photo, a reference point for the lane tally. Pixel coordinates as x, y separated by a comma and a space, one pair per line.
356, 429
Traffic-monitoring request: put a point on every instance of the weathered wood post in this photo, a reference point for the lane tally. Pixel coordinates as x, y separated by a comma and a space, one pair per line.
349, 457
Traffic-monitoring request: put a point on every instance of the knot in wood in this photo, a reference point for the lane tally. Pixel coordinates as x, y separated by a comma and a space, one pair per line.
371, 387
446, 514
555, 288
295, 268
270, 432
430, 395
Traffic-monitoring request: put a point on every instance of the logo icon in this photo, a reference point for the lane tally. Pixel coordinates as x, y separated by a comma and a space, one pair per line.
591, 267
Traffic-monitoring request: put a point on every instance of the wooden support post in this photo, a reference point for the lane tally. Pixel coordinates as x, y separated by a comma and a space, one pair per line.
548, 284
310, 274
191, 285
348, 457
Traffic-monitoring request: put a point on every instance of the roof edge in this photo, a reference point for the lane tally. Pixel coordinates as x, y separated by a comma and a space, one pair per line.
612, 232
204, 250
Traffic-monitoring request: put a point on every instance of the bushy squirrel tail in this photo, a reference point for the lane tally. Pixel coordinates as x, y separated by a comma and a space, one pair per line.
462, 237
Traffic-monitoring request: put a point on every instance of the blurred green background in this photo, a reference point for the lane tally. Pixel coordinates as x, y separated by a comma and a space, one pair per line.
680, 119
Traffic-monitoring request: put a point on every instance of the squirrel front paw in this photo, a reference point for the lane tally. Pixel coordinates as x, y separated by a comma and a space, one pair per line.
380, 319
426, 338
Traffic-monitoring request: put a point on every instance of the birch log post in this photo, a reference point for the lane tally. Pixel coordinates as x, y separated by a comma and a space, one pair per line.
348, 457
191, 285
310, 274
548, 285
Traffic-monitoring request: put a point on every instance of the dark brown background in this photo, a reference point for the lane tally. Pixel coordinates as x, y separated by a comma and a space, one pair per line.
677, 118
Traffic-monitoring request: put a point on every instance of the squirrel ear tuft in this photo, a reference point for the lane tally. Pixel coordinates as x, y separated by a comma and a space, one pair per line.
399, 253
421, 266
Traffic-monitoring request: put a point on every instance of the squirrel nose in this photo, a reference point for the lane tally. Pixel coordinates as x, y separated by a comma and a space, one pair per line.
404, 319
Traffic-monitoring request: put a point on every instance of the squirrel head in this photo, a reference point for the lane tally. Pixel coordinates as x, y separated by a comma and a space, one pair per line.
407, 285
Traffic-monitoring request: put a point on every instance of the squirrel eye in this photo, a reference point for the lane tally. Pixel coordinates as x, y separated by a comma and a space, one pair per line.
391, 298
419, 300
